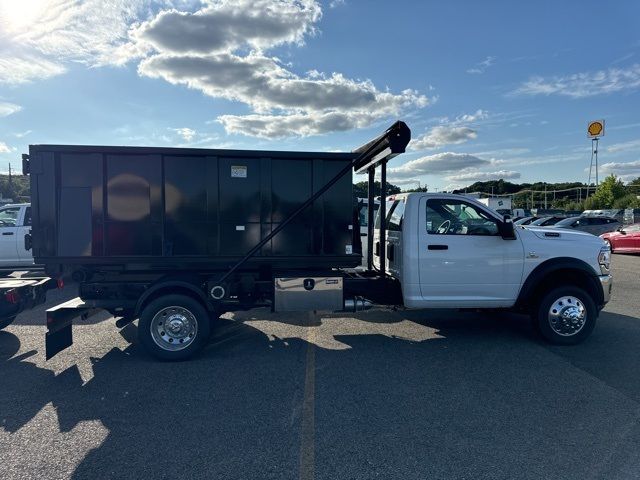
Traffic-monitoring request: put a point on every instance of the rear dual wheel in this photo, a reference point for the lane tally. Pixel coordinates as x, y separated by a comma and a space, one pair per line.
174, 327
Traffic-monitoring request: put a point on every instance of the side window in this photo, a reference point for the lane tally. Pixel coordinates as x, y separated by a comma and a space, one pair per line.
27, 217
396, 216
9, 216
389, 210
455, 217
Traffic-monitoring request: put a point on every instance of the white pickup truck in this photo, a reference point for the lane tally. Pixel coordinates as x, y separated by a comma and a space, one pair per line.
15, 223
451, 251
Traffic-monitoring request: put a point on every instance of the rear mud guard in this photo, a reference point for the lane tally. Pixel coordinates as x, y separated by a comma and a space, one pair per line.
59, 324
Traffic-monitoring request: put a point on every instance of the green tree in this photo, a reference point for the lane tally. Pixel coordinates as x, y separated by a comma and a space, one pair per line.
628, 201
360, 189
610, 190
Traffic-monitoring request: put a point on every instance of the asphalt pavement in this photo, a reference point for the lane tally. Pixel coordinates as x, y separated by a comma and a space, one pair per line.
381, 394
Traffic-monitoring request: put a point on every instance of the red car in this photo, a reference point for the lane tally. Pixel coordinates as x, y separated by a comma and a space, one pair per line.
624, 240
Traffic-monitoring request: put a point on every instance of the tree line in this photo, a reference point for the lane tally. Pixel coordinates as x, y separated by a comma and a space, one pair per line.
611, 193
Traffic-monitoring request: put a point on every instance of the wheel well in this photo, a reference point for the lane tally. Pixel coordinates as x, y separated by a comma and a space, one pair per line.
170, 290
564, 276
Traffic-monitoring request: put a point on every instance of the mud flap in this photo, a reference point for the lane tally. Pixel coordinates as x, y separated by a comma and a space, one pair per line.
59, 324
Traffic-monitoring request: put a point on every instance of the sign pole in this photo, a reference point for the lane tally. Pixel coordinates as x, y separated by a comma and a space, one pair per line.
595, 130
595, 152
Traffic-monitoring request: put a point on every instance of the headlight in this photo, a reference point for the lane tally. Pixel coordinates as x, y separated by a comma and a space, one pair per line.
604, 259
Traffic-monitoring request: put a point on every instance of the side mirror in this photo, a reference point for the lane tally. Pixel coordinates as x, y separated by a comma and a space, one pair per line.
621, 230
506, 228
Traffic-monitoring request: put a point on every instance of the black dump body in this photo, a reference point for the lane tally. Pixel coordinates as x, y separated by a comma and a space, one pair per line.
138, 208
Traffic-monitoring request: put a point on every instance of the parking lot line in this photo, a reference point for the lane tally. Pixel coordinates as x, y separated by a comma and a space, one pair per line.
307, 441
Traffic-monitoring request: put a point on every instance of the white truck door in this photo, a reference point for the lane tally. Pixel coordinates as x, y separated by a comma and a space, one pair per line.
25, 256
9, 217
463, 260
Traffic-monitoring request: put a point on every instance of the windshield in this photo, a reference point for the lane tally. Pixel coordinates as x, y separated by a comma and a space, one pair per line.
566, 222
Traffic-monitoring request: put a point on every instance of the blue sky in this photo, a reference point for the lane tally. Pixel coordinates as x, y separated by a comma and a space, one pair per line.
490, 89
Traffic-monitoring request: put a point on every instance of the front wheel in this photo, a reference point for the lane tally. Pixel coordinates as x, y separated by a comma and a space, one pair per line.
174, 327
566, 315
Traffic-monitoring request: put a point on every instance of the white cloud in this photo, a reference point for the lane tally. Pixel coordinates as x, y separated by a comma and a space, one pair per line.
22, 134
38, 38
4, 148
295, 124
284, 103
477, 176
450, 132
585, 84
16, 70
227, 26
186, 133
7, 109
443, 135
336, 3
445, 162
218, 47
632, 145
622, 168
482, 66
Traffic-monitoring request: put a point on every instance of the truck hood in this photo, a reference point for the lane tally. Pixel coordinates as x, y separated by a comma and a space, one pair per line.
566, 234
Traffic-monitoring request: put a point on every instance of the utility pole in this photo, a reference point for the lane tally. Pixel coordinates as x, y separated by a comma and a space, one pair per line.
10, 179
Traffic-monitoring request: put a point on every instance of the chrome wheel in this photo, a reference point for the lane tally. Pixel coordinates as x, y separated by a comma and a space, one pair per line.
174, 328
567, 316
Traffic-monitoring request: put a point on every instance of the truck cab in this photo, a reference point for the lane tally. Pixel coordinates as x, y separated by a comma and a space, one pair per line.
15, 223
451, 251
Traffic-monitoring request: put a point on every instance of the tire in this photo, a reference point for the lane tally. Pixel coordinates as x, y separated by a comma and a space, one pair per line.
174, 327
565, 315
6, 321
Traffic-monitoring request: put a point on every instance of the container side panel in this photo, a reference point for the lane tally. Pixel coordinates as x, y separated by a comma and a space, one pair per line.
134, 206
187, 230
43, 204
236, 240
240, 204
239, 180
337, 211
74, 227
291, 185
80, 219
295, 239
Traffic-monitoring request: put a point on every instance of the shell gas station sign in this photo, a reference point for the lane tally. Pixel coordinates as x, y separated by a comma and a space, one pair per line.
595, 129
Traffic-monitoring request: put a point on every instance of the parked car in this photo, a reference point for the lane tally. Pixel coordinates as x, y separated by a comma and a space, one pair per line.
15, 223
625, 239
593, 225
525, 220
546, 221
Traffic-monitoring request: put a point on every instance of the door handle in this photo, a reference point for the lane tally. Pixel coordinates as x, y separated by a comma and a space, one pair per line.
438, 247
7, 233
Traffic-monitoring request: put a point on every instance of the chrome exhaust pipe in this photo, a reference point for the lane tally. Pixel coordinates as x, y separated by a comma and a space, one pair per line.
357, 304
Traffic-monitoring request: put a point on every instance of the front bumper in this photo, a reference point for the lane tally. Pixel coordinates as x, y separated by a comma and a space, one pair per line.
607, 285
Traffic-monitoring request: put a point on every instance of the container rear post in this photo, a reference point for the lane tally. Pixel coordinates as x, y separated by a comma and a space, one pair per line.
370, 212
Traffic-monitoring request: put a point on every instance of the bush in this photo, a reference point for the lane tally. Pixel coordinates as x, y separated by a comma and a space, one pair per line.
628, 201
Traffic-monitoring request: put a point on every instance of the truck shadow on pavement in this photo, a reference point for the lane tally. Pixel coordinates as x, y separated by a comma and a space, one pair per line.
423, 395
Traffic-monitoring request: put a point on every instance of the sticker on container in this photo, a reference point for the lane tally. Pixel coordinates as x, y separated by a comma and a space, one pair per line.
348, 249
332, 281
240, 228
238, 171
